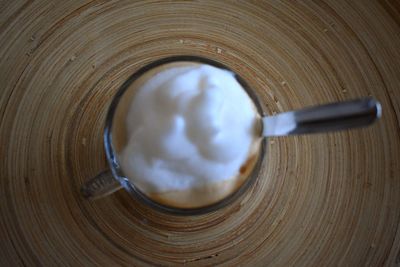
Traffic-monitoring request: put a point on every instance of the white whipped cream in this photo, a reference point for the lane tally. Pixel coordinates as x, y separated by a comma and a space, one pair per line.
186, 127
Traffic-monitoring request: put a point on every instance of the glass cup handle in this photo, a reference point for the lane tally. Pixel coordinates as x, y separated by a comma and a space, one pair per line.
330, 117
100, 186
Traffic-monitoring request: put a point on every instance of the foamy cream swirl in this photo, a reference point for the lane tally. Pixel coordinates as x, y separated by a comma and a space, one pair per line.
187, 127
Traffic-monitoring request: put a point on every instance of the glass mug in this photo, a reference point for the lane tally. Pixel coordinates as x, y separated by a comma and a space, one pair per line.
328, 117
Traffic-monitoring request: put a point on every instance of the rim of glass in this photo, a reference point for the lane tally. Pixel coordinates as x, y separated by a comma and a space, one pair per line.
136, 192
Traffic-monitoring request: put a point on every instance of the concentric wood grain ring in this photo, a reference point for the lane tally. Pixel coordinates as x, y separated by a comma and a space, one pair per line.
321, 200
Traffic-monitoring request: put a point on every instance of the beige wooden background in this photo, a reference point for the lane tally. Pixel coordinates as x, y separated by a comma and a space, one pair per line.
321, 200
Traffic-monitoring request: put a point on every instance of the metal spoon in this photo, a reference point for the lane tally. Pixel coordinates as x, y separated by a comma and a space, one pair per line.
325, 118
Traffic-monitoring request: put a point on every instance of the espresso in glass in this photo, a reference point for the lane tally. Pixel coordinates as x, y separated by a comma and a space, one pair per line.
186, 134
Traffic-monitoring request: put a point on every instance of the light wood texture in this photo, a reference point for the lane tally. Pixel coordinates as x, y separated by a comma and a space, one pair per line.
321, 200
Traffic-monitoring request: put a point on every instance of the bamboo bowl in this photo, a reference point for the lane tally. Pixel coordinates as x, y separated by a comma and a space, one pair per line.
321, 200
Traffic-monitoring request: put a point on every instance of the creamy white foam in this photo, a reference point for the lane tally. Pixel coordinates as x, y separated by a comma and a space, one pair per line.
187, 127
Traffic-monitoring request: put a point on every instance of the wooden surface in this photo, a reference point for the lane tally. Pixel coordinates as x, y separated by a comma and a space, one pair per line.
321, 200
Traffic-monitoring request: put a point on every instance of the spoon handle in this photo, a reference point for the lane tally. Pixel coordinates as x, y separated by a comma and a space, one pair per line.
329, 117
